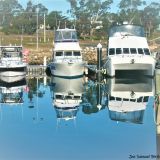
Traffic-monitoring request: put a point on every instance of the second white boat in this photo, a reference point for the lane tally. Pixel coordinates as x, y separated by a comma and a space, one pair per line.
67, 56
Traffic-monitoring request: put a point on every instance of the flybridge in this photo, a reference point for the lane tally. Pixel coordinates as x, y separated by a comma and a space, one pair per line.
126, 30
66, 35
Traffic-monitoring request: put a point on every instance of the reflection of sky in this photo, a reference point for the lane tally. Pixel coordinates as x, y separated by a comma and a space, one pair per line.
92, 136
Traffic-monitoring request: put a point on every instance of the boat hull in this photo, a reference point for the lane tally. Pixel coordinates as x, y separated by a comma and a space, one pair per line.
67, 69
145, 64
12, 74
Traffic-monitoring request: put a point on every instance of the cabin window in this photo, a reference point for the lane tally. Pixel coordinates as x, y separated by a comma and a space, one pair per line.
66, 35
68, 53
125, 99
118, 51
133, 50
125, 50
145, 99
59, 97
77, 53
59, 53
111, 51
118, 99
112, 98
146, 51
68, 97
132, 100
139, 99
77, 97
20, 54
140, 51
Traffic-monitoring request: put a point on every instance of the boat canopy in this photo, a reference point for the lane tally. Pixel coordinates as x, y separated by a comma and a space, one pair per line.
66, 35
133, 117
126, 30
67, 113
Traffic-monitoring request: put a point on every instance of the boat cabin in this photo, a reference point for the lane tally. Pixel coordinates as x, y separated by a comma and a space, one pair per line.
11, 52
66, 35
127, 40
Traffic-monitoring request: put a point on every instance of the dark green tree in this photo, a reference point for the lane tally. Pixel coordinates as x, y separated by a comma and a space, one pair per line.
151, 17
55, 18
9, 9
130, 11
88, 14
26, 20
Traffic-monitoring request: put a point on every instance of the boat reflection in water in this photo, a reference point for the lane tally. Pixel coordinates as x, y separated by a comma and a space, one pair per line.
67, 97
12, 93
128, 98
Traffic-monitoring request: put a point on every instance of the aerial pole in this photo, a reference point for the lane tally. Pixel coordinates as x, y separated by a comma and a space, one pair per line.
44, 28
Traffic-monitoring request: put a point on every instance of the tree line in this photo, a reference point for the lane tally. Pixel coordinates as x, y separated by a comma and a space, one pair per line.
91, 17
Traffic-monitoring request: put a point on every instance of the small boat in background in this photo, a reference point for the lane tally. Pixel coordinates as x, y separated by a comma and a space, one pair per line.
12, 65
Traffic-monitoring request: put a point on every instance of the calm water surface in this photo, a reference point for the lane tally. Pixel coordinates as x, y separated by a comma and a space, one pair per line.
70, 119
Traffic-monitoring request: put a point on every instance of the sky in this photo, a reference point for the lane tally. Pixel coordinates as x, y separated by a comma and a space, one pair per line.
63, 5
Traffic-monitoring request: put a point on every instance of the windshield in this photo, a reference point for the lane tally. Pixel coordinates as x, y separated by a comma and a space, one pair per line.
11, 52
66, 35
126, 30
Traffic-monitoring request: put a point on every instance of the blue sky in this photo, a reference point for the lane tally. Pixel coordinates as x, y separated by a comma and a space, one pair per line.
63, 5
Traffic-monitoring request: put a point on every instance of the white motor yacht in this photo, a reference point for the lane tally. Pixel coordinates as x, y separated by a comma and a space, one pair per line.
67, 56
128, 50
12, 66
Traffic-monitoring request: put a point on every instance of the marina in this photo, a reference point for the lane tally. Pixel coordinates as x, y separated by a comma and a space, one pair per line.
66, 107
79, 80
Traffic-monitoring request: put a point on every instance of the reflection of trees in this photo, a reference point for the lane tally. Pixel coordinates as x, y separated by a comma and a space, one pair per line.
90, 98
34, 88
